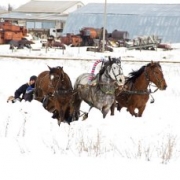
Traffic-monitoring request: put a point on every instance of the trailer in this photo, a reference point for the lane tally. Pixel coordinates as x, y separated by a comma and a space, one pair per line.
144, 43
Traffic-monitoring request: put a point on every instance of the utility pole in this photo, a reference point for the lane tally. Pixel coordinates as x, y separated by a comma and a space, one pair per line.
104, 28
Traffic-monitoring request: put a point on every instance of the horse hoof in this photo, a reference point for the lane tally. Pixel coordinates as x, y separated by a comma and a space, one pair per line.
85, 116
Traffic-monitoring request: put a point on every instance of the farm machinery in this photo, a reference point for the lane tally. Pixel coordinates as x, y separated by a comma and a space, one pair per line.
10, 31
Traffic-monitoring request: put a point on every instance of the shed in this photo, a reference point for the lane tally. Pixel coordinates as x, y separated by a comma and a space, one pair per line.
43, 14
162, 20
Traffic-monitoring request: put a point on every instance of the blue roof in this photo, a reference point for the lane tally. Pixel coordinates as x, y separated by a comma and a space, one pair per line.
162, 20
131, 9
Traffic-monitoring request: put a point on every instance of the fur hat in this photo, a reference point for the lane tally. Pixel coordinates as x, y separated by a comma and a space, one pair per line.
33, 78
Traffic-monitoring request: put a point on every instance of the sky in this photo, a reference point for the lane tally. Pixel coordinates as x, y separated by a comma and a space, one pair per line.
34, 147
18, 3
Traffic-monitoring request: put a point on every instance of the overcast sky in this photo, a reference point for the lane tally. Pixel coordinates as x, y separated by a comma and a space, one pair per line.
20, 2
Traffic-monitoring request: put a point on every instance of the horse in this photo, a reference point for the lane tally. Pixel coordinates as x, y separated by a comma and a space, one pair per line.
54, 89
52, 43
20, 44
71, 40
98, 91
136, 93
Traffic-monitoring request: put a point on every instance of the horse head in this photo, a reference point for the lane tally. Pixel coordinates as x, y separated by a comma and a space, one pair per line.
114, 70
56, 75
154, 73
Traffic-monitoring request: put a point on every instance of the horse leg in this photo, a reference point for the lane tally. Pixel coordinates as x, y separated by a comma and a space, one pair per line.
59, 122
45, 101
76, 106
38, 94
141, 110
68, 115
86, 114
105, 110
112, 108
119, 107
55, 114
77, 109
61, 117
131, 111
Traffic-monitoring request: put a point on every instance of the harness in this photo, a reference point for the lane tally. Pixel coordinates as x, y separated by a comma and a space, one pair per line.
142, 92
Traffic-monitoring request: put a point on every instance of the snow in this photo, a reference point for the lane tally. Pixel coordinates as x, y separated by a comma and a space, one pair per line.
33, 146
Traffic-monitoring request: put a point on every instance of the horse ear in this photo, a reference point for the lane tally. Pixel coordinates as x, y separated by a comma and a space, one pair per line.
110, 58
49, 67
152, 62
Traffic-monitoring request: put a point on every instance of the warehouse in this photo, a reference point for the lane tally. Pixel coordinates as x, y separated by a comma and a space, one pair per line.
162, 20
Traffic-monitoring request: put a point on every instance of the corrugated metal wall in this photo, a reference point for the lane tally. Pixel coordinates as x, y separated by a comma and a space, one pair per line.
138, 20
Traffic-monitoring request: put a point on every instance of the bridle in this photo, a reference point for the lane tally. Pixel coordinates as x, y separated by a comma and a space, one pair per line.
56, 78
120, 72
57, 90
159, 81
110, 90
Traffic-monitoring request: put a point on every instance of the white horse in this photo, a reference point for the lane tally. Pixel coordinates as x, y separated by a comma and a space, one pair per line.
101, 93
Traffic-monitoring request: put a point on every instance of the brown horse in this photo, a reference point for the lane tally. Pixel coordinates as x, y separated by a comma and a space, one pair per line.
136, 92
54, 89
52, 43
71, 39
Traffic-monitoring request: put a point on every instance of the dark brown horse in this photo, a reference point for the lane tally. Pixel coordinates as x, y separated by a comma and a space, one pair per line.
54, 89
136, 92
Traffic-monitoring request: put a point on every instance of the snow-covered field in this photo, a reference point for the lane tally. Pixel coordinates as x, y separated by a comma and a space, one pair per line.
33, 146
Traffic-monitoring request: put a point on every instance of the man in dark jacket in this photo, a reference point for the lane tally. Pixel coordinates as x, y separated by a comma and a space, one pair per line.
26, 90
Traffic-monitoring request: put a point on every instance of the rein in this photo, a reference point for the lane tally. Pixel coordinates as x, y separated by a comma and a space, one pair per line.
140, 92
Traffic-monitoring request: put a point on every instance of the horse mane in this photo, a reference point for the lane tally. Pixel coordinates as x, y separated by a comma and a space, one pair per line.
101, 71
135, 74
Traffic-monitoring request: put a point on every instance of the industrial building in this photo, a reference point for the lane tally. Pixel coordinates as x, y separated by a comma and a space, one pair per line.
162, 20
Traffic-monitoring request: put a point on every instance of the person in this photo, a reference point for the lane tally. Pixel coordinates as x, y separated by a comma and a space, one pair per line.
25, 91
